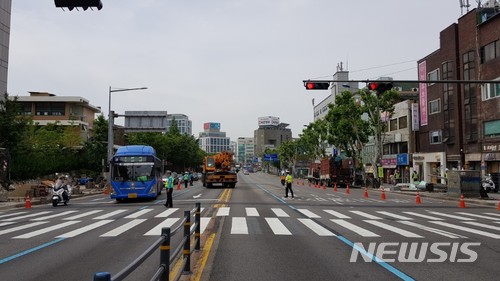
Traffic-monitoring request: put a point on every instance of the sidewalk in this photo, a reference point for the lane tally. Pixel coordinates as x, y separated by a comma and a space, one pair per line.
19, 202
492, 200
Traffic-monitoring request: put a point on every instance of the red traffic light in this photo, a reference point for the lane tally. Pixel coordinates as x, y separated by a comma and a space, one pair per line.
379, 87
317, 85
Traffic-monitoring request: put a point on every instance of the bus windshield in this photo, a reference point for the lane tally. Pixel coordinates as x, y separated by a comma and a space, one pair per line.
133, 172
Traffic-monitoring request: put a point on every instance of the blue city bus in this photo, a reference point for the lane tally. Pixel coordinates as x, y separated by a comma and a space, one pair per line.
135, 173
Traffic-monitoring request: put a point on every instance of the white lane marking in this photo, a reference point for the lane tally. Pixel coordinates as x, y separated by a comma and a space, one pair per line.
483, 225
6, 223
252, 212
394, 229
138, 213
368, 216
452, 216
434, 230
45, 230
119, 230
277, 226
157, 229
21, 227
477, 216
399, 217
84, 229
356, 229
280, 213
337, 214
12, 214
28, 216
53, 216
89, 213
223, 212
318, 229
108, 215
239, 225
166, 213
467, 229
204, 223
424, 216
308, 214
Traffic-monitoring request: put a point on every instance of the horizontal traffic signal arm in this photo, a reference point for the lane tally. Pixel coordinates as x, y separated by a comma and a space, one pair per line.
317, 85
404, 81
84, 4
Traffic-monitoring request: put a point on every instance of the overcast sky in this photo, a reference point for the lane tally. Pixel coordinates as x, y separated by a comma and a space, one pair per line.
227, 61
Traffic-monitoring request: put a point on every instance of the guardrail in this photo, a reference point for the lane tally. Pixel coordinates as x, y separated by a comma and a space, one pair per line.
166, 258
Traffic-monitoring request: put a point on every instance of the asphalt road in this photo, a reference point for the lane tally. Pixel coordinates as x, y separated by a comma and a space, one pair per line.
258, 235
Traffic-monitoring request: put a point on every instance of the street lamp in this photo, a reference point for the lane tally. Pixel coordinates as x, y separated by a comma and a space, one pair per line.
111, 119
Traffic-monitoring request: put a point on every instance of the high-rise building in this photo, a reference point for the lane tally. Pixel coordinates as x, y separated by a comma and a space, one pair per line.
5, 11
183, 123
270, 134
212, 140
245, 150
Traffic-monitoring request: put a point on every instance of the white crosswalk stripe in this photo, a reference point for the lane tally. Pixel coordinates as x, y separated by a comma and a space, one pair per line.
239, 225
433, 230
318, 229
394, 229
166, 213
169, 222
492, 214
478, 216
308, 213
12, 214
46, 230
354, 228
27, 216
424, 216
138, 213
84, 229
280, 213
110, 214
337, 214
121, 229
467, 229
366, 215
252, 212
61, 214
277, 226
82, 215
452, 216
223, 212
21, 227
399, 217
483, 225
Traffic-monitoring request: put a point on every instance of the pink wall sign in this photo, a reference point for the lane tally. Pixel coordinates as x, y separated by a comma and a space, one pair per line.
422, 75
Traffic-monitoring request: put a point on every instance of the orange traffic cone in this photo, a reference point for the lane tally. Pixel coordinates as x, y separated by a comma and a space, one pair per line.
418, 200
382, 195
366, 193
324, 186
498, 206
347, 191
462, 201
27, 204
106, 189
335, 187
309, 184
179, 185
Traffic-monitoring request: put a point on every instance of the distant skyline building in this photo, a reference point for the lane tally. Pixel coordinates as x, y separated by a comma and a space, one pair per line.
245, 150
212, 140
5, 13
183, 123
270, 134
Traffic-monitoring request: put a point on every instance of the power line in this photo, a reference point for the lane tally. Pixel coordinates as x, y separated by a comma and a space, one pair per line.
370, 68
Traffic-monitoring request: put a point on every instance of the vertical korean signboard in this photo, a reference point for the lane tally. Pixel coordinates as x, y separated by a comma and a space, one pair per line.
422, 75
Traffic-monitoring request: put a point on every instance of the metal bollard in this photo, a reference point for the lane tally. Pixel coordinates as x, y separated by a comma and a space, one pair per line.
102, 276
197, 220
165, 254
187, 245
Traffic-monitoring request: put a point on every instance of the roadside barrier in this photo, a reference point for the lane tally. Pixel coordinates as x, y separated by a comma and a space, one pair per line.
166, 258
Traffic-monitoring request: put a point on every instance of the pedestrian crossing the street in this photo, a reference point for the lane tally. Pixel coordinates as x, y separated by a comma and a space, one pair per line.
242, 220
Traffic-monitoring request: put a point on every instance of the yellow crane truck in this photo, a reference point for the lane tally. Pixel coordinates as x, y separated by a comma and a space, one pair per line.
218, 169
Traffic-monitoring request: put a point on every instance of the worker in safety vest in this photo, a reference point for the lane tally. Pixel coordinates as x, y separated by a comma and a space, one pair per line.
288, 180
169, 185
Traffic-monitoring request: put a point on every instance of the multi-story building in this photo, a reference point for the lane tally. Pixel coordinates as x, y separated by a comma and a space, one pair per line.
270, 134
245, 150
460, 122
5, 11
183, 123
44, 108
145, 121
212, 140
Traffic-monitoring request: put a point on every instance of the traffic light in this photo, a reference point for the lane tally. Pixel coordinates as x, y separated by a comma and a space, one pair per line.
379, 87
84, 4
317, 85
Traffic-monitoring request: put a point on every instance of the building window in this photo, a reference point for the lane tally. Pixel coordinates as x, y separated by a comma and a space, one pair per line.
490, 51
433, 75
394, 124
403, 122
435, 137
434, 106
490, 90
492, 128
50, 108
